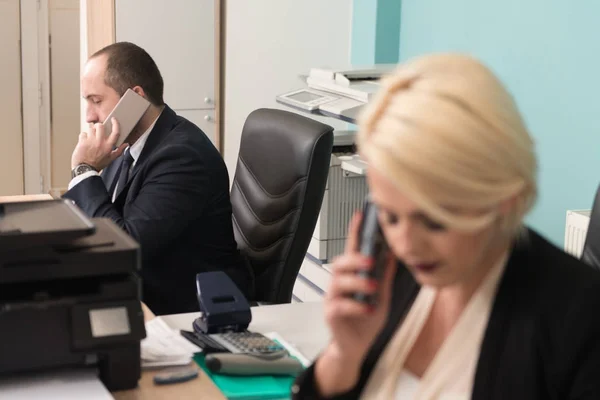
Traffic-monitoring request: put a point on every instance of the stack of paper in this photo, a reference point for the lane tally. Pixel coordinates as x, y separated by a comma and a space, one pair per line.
55, 385
165, 346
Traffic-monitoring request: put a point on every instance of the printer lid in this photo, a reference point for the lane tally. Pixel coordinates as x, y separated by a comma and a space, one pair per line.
44, 222
110, 251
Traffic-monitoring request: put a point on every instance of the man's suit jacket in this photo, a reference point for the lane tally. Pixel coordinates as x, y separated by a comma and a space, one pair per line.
176, 205
543, 337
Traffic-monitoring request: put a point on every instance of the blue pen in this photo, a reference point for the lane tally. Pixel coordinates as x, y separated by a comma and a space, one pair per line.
167, 378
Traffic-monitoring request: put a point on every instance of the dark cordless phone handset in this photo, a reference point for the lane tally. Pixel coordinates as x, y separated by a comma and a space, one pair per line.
371, 243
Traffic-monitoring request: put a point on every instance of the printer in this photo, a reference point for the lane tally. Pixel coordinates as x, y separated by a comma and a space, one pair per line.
340, 93
70, 295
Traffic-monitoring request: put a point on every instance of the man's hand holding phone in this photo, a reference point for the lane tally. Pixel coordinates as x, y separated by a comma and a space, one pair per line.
354, 324
96, 149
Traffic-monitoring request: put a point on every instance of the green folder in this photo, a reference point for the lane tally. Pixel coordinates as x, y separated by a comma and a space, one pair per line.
263, 387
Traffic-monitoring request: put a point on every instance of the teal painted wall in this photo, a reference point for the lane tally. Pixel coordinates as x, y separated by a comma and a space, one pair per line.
547, 52
387, 44
375, 31
364, 22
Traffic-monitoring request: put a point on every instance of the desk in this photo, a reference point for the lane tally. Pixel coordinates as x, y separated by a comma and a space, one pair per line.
301, 324
25, 197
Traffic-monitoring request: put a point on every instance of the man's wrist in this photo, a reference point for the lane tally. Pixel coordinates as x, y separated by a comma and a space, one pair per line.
82, 168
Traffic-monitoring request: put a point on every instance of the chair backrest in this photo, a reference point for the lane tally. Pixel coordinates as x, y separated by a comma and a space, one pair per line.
591, 248
276, 195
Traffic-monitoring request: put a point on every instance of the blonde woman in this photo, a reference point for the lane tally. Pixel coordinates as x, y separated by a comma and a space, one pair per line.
473, 305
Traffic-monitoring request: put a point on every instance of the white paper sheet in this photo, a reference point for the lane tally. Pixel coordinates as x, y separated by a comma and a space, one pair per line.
291, 349
165, 346
63, 385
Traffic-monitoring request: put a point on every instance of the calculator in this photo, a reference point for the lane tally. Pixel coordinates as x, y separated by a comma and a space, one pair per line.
247, 342
235, 342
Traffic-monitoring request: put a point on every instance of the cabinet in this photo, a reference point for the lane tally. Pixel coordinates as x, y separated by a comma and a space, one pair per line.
180, 37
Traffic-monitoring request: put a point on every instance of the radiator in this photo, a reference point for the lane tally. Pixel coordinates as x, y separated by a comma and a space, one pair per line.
576, 231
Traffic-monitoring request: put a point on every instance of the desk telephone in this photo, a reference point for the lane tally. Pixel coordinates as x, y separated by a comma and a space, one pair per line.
226, 314
222, 335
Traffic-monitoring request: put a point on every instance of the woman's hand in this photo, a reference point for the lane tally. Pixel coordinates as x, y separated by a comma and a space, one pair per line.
353, 325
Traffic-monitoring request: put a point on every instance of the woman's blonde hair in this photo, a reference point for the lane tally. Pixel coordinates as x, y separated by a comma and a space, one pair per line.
448, 134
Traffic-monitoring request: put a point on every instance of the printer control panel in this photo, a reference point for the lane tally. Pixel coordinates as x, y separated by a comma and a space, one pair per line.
109, 322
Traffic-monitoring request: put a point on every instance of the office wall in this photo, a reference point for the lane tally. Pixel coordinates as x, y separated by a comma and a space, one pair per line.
65, 94
375, 31
11, 151
268, 44
96, 30
546, 51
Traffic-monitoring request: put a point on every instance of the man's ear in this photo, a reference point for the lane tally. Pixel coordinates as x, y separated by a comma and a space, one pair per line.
139, 90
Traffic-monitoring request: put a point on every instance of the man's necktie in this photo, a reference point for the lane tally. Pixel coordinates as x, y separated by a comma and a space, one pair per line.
126, 162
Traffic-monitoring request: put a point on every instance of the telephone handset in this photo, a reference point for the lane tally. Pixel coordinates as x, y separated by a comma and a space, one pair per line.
128, 112
371, 243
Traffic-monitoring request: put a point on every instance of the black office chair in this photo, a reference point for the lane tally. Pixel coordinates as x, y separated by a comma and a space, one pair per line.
591, 248
276, 196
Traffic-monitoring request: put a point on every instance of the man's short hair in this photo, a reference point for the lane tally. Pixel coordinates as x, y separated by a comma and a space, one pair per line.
128, 65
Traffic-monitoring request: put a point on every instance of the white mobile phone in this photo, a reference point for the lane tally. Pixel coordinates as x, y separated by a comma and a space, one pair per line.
128, 111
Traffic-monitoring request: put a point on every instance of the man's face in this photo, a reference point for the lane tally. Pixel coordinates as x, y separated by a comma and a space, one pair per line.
100, 98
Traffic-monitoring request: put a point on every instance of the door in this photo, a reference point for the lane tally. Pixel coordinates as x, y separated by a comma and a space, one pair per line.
11, 150
65, 95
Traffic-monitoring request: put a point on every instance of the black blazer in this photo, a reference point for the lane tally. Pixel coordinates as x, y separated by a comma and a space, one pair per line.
176, 205
543, 337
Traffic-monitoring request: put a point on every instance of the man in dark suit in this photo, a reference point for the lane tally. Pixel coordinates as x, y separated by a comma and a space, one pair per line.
167, 185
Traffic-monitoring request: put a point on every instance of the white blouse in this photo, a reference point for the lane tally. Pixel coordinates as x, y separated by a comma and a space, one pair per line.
451, 373
408, 385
